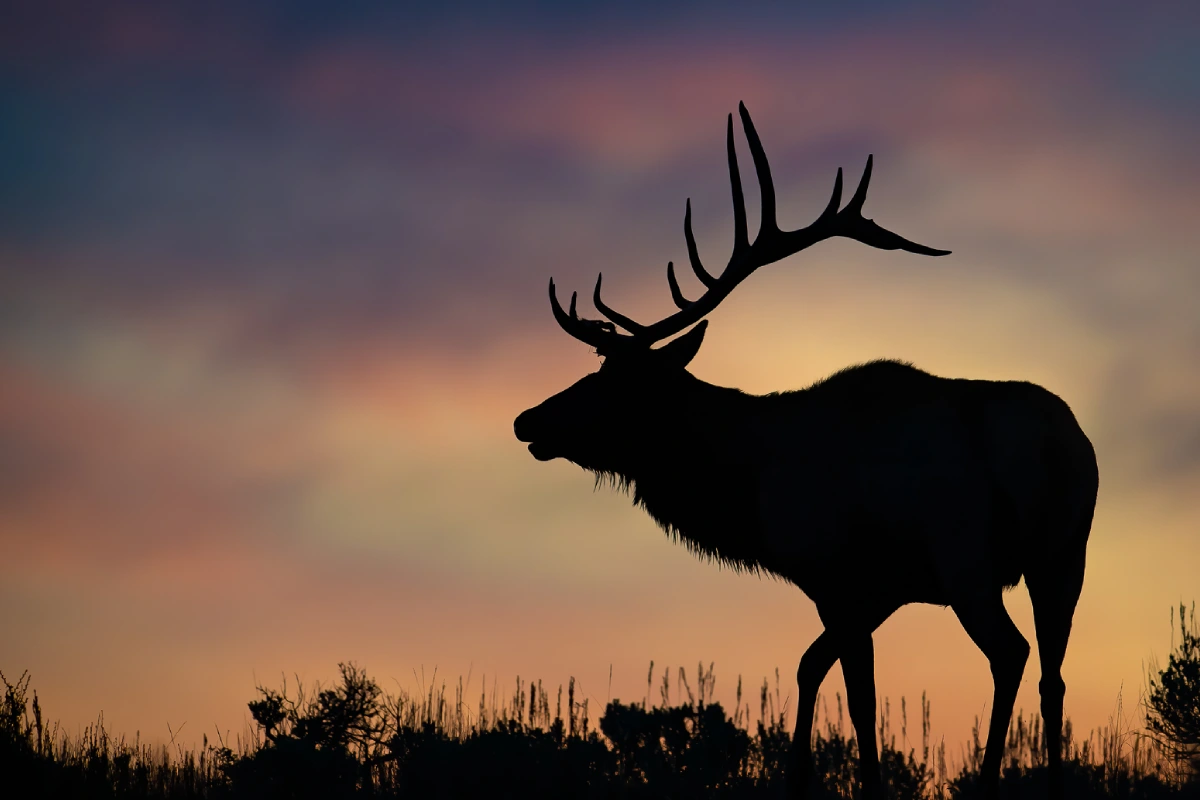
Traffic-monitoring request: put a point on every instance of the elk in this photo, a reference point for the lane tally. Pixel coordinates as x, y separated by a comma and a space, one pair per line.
879, 486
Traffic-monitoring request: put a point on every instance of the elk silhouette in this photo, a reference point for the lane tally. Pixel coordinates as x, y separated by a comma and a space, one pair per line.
879, 486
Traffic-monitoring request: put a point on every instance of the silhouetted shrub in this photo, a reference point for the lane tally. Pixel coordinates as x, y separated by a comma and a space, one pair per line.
681, 751
1173, 703
323, 744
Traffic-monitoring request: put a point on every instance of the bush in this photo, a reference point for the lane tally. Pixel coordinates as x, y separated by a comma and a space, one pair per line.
1173, 701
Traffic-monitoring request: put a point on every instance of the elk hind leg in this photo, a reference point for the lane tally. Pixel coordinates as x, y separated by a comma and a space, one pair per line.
991, 628
1053, 596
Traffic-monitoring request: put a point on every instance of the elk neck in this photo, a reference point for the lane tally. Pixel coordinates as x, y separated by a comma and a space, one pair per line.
697, 475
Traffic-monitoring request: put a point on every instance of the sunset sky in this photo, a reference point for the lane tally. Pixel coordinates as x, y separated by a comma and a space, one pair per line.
272, 290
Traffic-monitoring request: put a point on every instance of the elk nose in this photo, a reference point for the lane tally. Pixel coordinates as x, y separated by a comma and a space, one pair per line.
523, 426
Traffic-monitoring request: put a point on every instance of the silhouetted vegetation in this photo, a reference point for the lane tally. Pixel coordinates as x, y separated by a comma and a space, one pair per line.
353, 739
1173, 701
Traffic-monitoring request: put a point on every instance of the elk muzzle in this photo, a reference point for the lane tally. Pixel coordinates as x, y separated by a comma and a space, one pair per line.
525, 427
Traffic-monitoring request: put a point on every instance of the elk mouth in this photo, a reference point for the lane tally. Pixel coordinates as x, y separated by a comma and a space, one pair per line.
542, 451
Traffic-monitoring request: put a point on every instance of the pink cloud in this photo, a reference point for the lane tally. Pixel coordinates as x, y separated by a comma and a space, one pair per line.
112, 481
639, 101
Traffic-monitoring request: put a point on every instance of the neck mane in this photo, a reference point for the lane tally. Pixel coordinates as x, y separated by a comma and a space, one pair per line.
697, 478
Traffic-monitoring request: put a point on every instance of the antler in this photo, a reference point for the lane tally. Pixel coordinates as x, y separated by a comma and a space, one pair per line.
770, 244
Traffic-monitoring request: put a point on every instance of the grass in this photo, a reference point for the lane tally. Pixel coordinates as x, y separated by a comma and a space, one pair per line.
352, 739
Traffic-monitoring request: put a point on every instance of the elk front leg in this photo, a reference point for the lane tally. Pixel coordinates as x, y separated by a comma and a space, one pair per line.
814, 666
858, 669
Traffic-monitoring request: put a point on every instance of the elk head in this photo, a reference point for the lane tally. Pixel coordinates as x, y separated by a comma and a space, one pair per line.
628, 408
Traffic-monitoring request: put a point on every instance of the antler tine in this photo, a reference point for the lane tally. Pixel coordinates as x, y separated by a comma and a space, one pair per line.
860, 194
625, 322
766, 186
585, 330
693, 254
740, 241
835, 199
676, 295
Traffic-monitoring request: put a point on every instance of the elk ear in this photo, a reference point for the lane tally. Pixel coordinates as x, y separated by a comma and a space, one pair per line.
678, 353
